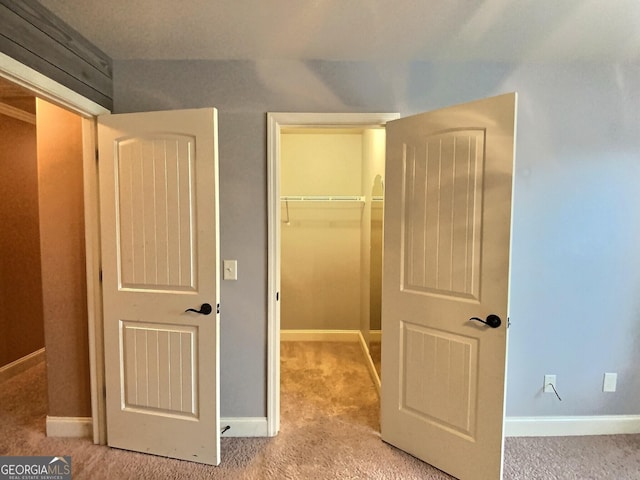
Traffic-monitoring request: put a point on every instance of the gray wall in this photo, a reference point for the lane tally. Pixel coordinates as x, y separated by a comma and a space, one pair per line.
575, 306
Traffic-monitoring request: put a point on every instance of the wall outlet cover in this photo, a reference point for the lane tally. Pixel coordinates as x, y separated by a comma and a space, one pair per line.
610, 382
549, 380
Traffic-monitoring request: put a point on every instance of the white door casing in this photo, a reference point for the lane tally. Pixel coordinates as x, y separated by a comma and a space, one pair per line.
446, 260
160, 257
275, 122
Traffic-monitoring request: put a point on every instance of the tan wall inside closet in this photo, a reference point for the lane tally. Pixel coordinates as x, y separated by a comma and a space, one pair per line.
63, 260
320, 269
21, 324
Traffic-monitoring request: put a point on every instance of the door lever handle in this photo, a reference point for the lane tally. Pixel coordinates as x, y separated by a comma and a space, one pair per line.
492, 320
205, 309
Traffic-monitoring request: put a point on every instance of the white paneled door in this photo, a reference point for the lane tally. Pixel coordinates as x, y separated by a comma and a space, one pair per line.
159, 220
445, 286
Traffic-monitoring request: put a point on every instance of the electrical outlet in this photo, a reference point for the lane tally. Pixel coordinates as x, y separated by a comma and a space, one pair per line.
549, 380
610, 382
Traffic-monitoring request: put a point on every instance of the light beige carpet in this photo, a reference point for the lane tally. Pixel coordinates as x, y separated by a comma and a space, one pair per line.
329, 430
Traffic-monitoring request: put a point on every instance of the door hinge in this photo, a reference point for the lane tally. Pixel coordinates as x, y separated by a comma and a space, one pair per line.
97, 155
218, 308
100, 275
104, 392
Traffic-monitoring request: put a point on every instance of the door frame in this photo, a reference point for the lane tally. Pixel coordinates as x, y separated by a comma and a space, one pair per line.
275, 122
56, 93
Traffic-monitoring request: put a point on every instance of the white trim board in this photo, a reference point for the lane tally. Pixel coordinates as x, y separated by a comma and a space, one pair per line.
21, 364
319, 335
76, 427
17, 113
571, 426
375, 335
94, 284
275, 122
375, 378
46, 88
244, 427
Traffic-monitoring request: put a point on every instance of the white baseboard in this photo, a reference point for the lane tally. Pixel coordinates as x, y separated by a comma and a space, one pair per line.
319, 335
21, 364
79, 427
244, 426
375, 335
367, 358
570, 426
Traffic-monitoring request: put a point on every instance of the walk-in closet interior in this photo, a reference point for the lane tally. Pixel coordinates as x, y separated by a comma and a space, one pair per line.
331, 188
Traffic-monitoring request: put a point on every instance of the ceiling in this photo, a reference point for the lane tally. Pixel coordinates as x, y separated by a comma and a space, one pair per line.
369, 30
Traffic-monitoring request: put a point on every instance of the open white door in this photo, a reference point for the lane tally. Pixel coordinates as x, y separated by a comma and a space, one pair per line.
446, 260
159, 222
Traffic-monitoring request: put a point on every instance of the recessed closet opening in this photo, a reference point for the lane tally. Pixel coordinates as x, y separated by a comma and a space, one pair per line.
331, 200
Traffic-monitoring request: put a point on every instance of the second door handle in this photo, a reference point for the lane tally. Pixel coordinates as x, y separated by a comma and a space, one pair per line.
205, 309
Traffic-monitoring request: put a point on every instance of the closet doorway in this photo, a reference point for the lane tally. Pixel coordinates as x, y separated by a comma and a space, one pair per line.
325, 170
